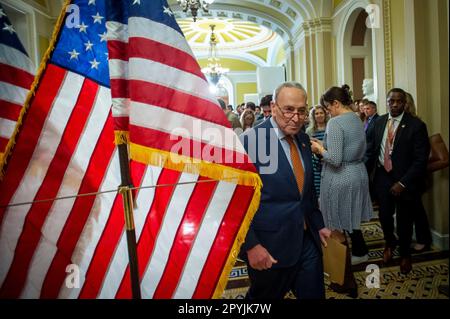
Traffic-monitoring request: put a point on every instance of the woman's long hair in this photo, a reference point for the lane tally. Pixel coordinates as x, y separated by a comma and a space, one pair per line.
242, 119
312, 119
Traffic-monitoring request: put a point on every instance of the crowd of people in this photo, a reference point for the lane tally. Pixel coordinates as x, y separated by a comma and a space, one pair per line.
336, 161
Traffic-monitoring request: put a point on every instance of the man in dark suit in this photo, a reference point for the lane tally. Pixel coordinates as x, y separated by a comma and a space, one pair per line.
265, 107
283, 245
370, 110
398, 149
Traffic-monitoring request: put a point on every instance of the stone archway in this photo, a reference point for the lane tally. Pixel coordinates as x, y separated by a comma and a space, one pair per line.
355, 49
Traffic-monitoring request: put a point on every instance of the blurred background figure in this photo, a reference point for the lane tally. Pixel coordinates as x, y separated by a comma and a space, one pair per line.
258, 113
316, 129
247, 119
232, 118
360, 111
266, 110
410, 106
370, 111
420, 218
251, 106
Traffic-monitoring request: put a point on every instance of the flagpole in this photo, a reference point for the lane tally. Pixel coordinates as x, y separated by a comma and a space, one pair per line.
127, 197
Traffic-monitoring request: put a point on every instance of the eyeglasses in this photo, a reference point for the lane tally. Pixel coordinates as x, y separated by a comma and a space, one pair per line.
289, 112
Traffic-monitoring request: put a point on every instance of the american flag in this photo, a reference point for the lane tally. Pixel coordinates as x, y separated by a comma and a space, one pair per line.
188, 229
16, 76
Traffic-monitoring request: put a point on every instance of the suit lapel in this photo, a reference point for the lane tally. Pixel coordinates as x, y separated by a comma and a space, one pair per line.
381, 128
400, 129
306, 155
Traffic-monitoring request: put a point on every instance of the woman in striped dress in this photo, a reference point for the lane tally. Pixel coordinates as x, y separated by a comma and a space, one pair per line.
316, 129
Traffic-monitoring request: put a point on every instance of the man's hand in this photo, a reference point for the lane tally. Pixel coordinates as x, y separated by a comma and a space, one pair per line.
259, 258
397, 189
324, 233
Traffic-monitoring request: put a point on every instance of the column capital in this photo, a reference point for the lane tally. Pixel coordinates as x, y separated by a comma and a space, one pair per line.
316, 25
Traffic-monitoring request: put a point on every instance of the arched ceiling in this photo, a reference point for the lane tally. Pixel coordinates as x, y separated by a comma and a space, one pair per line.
236, 39
281, 16
257, 31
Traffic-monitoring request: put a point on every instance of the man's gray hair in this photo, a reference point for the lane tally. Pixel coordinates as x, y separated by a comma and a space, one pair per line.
291, 84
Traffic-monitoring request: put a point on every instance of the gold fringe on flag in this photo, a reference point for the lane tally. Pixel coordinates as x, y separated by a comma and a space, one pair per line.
187, 164
34, 86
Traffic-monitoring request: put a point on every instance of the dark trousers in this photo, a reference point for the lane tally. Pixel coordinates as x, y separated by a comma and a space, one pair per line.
405, 206
422, 227
305, 278
359, 247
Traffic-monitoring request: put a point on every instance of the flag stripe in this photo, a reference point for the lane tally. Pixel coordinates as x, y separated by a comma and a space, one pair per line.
79, 213
19, 163
16, 58
225, 236
152, 50
7, 128
151, 229
145, 28
94, 226
166, 226
179, 122
184, 239
15, 76
121, 107
205, 239
107, 245
3, 143
71, 182
119, 263
170, 99
166, 75
28, 185
10, 111
49, 188
12, 93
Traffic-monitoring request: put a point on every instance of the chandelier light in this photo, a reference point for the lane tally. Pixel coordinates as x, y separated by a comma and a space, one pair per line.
194, 5
214, 70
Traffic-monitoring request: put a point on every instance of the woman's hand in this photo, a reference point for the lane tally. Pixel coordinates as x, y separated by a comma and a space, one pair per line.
317, 147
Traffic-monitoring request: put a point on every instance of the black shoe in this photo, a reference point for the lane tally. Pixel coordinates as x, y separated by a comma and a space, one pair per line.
340, 289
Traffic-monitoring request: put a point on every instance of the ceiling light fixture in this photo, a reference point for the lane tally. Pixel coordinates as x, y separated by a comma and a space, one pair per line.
214, 70
194, 5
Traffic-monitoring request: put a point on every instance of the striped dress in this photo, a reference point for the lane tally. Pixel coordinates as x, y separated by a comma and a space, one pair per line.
317, 163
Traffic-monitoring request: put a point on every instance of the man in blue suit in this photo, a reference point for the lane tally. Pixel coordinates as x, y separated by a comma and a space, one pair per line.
283, 245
